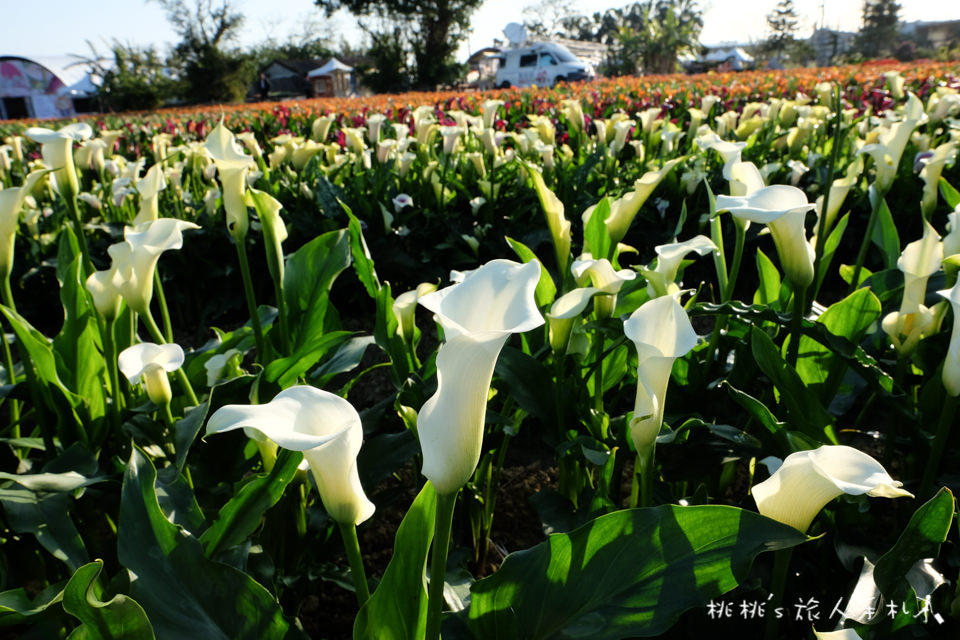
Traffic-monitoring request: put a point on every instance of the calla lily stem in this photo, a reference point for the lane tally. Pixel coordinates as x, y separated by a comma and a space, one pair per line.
349, 533
936, 449
796, 324
8, 362
822, 222
867, 239
251, 300
110, 353
164, 311
74, 210
182, 378
781, 565
438, 563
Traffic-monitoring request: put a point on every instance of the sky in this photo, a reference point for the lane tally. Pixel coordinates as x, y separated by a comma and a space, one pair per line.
64, 27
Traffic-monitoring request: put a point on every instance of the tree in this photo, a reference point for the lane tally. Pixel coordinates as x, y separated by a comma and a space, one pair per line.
211, 71
783, 24
440, 26
545, 18
672, 28
880, 31
135, 80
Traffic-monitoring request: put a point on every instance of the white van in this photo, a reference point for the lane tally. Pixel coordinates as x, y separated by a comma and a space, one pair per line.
543, 64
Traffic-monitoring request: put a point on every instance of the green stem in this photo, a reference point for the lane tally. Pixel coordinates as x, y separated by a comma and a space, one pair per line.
936, 449
490, 499
822, 221
8, 362
796, 324
865, 244
643, 471
162, 301
719, 258
438, 563
74, 211
251, 300
182, 378
741, 235
110, 353
349, 533
598, 371
781, 565
443, 182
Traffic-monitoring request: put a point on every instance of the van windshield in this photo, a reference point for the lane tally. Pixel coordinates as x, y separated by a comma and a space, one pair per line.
563, 54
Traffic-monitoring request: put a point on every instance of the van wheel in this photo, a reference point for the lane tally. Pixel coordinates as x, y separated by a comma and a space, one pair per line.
559, 80
504, 85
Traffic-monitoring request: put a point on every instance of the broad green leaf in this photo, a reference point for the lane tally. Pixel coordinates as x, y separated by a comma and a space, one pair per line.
546, 290
801, 403
46, 515
849, 318
185, 433
768, 292
830, 248
212, 600
529, 383
347, 358
886, 237
927, 530
308, 276
16, 605
243, 513
120, 618
285, 371
78, 343
397, 610
596, 238
626, 574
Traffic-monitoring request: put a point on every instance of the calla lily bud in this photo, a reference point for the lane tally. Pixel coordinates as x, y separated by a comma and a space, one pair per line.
105, 289
374, 124
490, 108
249, 141
573, 111
783, 209
808, 480
150, 362
951, 365
556, 221
477, 314
274, 231
661, 332
405, 307
11, 203
325, 427
321, 127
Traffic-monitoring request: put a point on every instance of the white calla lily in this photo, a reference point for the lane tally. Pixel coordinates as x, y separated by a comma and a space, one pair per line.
11, 203
808, 480
783, 209
150, 363
233, 166
920, 260
57, 150
886, 152
149, 188
405, 307
601, 275
951, 364
661, 332
325, 427
661, 280
563, 313
477, 314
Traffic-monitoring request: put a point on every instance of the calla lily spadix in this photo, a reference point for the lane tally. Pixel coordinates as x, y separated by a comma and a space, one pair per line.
661, 332
808, 480
477, 314
325, 427
783, 209
150, 362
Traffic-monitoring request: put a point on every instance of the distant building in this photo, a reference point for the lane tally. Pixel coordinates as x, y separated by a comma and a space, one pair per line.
725, 58
829, 43
45, 87
325, 77
945, 33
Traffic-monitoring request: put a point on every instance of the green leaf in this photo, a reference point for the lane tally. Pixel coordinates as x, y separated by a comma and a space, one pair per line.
885, 236
243, 513
830, 248
184, 594
760, 412
802, 404
285, 371
46, 515
546, 290
185, 433
347, 358
529, 383
768, 292
120, 618
362, 261
926, 531
309, 274
16, 606
596, 239
949, 193
626, 574
817, 365
397, 610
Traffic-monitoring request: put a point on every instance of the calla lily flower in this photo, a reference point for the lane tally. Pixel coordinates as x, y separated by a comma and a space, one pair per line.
57, 151
943, 155
11, 202
136, 257
563, 313
556, 221
105, 288
274, 231
660, 281
951, 365
573, 112
783, 209
607, 281
919, 260
661, 332
325, 427
149, 188
320, 127
233, 166
477, 314
808, 480
151, 362
450, 137
490, 108
886, 152
838, 192
405, 307
374, 124
625, 209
